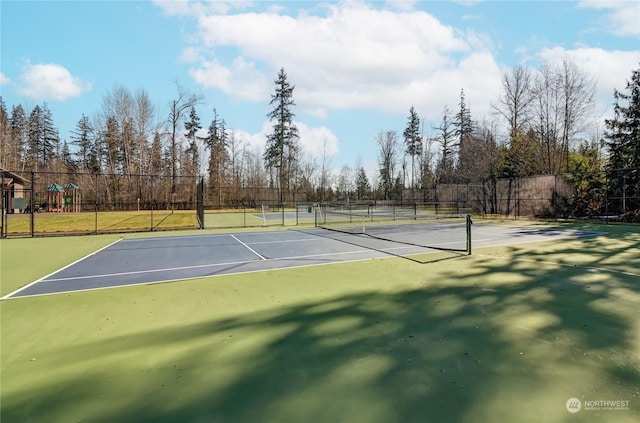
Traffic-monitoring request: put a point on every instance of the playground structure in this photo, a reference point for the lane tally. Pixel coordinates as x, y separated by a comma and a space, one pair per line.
65, 199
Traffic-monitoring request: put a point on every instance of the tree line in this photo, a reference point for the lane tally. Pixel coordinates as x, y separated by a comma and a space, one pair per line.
545, 112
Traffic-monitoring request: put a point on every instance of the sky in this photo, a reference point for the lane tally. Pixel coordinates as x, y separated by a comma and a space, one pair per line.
357, 66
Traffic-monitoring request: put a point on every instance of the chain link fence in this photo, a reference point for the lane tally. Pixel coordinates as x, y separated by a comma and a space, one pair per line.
46, 203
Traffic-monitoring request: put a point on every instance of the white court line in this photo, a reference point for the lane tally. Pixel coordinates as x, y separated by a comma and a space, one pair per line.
154, 238
140, 272
367, 250
476, 239
315, 238
300, 266
248, 248
307, 256
220, 235
199, 266
59, 270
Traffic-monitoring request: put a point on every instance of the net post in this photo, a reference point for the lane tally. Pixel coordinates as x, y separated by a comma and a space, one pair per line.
469, 222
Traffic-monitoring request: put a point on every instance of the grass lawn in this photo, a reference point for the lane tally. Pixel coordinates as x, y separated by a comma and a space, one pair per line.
89, 222
508, 334
106, 222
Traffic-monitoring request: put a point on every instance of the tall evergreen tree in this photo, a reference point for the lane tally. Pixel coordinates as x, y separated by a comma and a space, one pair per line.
413, 140
42, 138
464, 131
155, 162
83, 138
623, 141
216, 142
192, 126
50, 136
463, 123
447, 138
363, 188
111, 146
34, 138
66, 157
282, 149
8, 157
18, 135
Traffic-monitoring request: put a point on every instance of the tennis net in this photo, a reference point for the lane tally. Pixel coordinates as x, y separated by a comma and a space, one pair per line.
409, 225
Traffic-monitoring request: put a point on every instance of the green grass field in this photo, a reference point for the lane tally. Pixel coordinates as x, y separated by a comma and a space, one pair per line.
101, 222
508, 334
145, 220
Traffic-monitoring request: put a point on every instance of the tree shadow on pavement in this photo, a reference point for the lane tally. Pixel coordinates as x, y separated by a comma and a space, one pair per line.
510, 337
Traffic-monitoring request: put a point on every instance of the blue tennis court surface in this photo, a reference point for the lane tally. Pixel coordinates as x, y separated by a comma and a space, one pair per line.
132, 261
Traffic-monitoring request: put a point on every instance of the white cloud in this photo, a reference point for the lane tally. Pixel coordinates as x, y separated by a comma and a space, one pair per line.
354, 55
623, 17
175, 7
316, 142
191, 55
403, 5
50, 82
195, 8
4, 80
351, 55
241, 79
467, 2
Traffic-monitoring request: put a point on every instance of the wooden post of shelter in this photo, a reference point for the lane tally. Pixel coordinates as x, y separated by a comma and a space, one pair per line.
72, 198
54, 197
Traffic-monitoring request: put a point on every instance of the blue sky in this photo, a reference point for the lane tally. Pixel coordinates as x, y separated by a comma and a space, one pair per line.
357, 66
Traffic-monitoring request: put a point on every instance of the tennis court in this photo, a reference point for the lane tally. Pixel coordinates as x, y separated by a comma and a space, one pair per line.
135, 261
318, 325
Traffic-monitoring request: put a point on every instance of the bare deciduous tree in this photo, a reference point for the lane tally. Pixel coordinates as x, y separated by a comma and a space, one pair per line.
178, 108
515, 100
387, 159
563, 98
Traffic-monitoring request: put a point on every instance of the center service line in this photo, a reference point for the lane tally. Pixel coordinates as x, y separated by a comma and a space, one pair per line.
248, 248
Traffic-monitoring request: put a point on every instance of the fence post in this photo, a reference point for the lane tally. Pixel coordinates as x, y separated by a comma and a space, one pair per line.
95, 206
31, 208
2, 217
